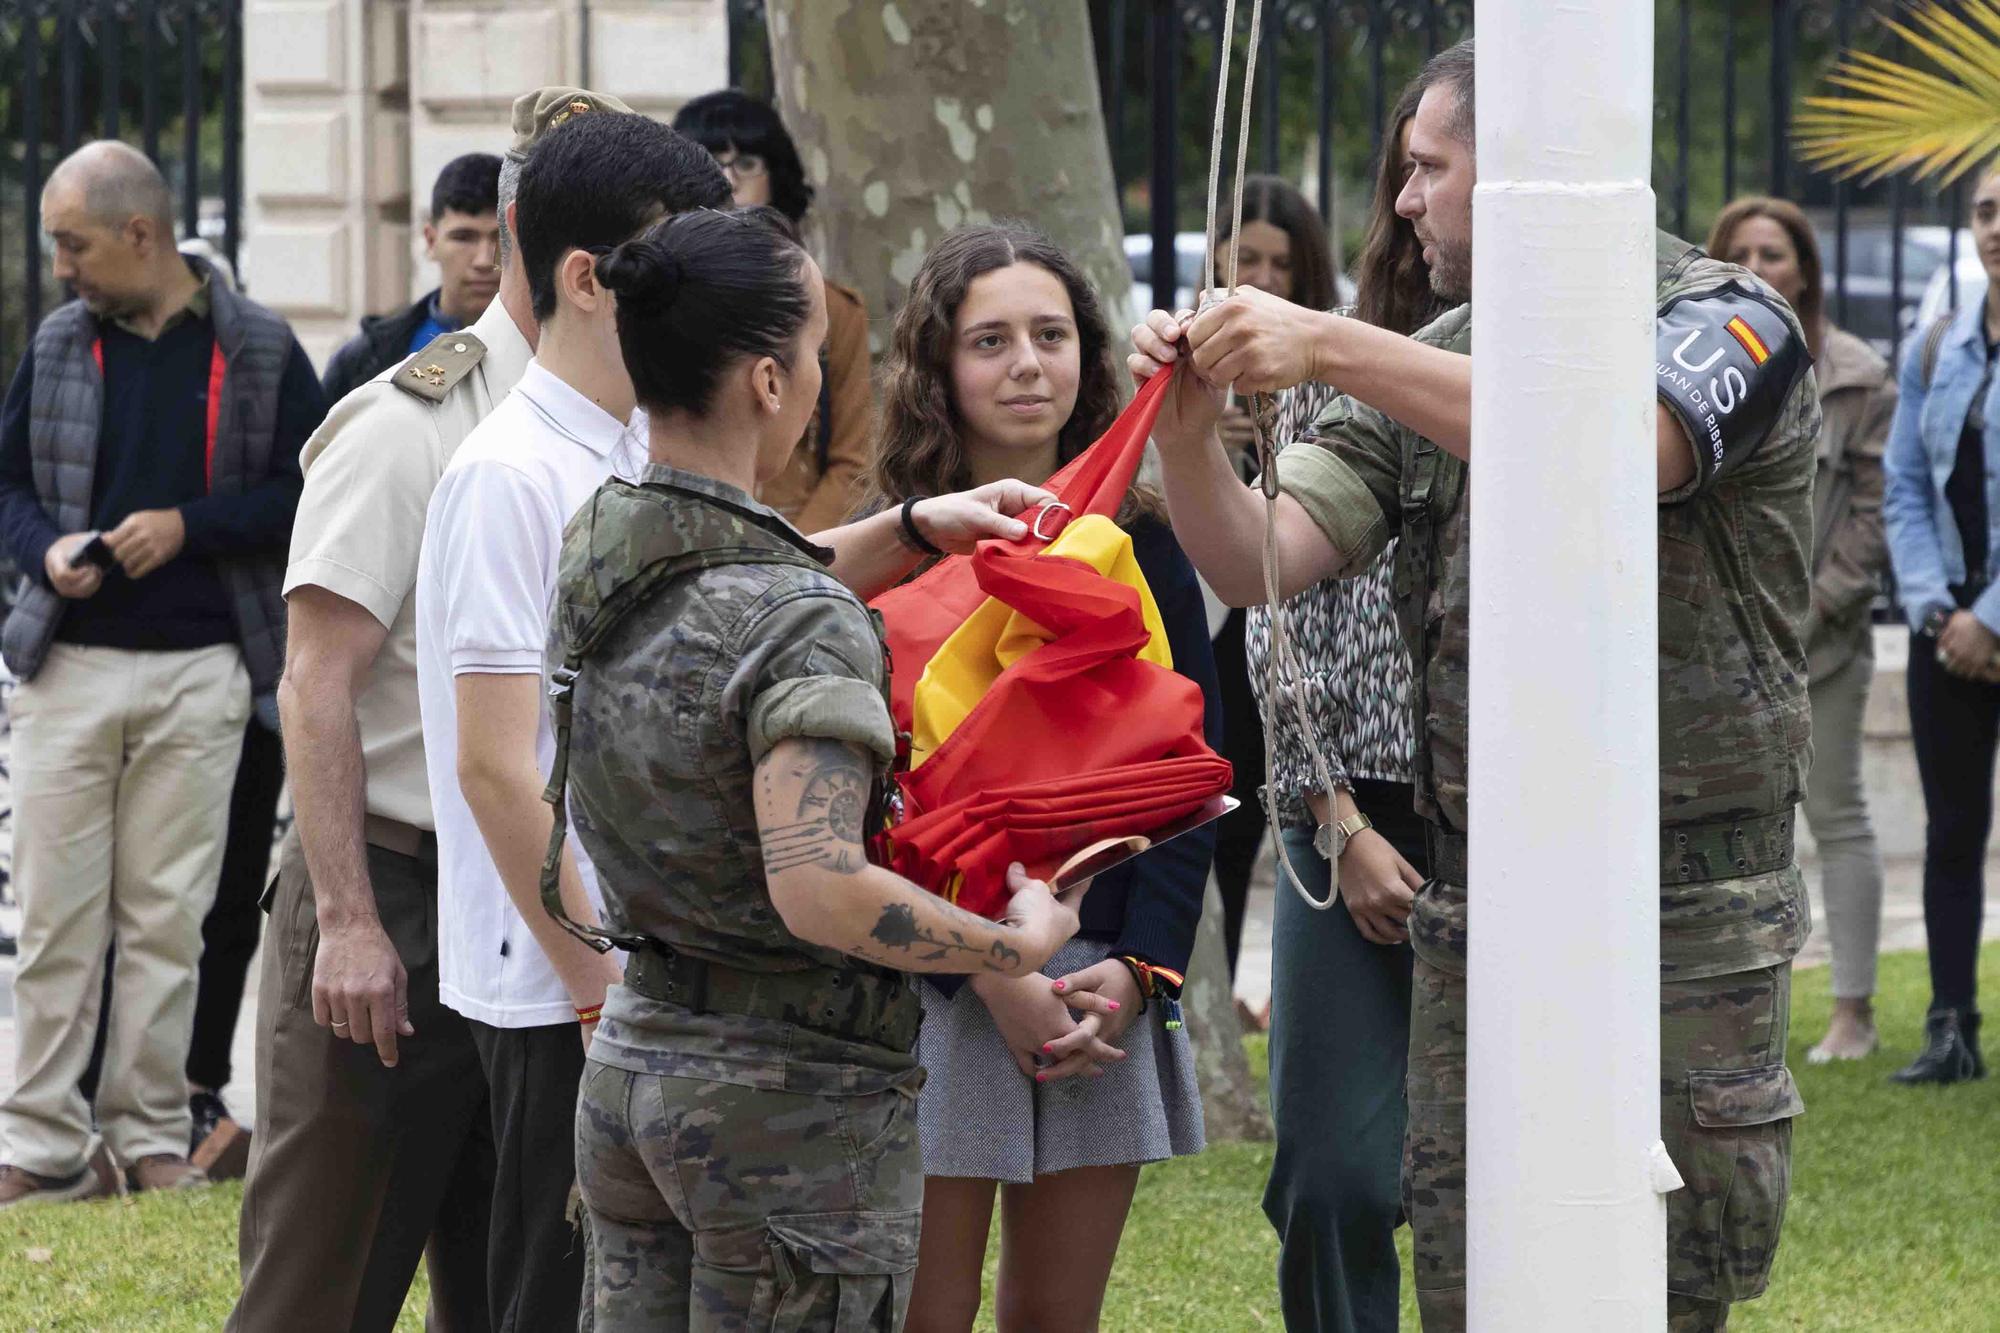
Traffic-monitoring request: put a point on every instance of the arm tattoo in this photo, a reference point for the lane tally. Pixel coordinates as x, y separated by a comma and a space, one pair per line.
832, 816
897, 928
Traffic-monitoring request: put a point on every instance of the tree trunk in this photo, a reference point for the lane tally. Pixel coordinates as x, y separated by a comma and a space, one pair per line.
916, 116
1230, 1107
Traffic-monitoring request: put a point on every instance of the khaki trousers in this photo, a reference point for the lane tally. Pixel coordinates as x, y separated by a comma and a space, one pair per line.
122, 762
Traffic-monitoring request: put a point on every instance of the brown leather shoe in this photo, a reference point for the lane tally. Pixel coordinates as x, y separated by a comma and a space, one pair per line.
20, 1186
164, 1171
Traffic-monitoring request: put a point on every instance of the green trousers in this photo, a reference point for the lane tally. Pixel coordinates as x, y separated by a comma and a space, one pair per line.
1726, 1107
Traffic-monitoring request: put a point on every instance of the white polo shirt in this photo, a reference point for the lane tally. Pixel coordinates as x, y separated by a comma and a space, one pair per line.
485, 583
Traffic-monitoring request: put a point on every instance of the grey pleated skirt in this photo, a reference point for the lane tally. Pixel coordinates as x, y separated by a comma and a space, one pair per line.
978, 1116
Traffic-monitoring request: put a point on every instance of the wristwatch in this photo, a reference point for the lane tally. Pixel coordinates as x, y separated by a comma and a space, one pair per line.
1331, 839
1936, 620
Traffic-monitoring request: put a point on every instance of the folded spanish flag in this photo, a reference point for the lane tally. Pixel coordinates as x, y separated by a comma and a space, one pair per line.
1038, 689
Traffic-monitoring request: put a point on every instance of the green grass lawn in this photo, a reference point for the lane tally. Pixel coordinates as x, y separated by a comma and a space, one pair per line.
1894, 1222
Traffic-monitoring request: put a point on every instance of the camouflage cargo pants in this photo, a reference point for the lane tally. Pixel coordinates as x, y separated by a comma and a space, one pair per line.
718, 1207
1726, 1108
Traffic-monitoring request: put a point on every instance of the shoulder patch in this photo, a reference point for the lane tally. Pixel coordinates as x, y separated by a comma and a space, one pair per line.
440, 364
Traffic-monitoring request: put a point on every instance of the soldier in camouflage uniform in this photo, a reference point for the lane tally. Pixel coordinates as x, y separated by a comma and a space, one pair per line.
1734, 527
746, 1142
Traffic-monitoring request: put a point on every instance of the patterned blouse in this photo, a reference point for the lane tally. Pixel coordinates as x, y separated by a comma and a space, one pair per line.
1356, 671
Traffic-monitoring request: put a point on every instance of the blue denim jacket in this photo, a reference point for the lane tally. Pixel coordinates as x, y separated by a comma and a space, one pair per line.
1924, 548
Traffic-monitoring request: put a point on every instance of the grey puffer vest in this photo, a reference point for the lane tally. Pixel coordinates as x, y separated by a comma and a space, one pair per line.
64, 418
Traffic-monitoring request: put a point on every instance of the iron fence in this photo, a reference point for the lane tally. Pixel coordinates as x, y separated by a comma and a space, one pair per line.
165, 75
1728, 76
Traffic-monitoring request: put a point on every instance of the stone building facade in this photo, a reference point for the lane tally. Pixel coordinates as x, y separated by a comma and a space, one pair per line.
352, 106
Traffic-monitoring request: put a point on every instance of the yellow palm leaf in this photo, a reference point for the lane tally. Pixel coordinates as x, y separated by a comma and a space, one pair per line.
1885, 116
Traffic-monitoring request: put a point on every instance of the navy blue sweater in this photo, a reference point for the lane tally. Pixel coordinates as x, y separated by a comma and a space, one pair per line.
1149, 906
151, 450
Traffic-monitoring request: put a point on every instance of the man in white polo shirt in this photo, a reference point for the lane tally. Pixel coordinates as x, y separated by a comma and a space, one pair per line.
484, 584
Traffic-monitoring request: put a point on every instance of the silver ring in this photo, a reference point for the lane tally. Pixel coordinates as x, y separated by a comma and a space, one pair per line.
338, 1024
1044, 513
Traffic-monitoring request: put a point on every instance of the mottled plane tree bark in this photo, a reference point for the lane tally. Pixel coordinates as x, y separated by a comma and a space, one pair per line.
915, 116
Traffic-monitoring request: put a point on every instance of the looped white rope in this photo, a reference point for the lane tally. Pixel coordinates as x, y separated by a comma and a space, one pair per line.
1282, 663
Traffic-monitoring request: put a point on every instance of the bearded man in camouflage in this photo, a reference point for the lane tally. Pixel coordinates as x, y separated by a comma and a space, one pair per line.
1735, 465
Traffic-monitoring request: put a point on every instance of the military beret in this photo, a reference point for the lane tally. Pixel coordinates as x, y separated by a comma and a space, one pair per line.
540, 111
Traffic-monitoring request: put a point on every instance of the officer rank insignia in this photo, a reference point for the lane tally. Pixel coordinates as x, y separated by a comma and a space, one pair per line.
432, 374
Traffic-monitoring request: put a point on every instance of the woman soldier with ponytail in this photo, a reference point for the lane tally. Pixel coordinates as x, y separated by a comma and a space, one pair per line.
746, 1142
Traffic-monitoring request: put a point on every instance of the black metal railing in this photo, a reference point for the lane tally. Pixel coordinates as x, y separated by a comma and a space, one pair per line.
1728, 76
165, 75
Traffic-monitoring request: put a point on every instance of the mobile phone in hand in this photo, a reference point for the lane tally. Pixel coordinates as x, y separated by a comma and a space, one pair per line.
96, 551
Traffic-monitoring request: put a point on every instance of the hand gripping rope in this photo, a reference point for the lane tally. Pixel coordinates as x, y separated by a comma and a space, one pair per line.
1263, 419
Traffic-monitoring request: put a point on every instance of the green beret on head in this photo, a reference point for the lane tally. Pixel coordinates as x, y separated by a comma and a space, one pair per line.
540, 111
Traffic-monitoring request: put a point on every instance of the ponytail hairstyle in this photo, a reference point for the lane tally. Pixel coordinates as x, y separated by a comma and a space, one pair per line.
919, 451
698, 292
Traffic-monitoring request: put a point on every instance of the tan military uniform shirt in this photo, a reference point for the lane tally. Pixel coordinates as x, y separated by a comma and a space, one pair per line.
369, 472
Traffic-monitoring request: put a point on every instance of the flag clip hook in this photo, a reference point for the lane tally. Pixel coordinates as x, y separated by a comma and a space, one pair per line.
1044, 512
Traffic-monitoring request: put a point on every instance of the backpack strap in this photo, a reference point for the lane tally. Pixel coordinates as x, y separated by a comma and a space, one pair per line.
1426, 473
1927, 359
638, 587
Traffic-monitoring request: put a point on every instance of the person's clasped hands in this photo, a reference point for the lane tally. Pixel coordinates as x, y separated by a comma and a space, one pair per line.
1969, 650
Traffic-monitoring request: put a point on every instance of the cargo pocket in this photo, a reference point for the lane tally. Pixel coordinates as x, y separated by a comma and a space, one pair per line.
1735, 1156
843, 1272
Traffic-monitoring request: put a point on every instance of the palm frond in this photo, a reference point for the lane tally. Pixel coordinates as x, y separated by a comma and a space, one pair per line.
1884, 116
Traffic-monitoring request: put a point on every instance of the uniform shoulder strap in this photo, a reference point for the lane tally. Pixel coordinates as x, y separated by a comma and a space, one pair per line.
438, 365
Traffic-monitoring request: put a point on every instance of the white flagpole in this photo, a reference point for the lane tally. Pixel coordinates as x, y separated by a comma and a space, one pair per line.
1567, 1221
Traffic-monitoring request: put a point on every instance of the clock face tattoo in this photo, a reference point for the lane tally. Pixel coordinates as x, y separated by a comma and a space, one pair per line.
837, 794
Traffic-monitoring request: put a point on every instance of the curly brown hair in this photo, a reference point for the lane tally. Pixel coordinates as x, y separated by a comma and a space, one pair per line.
920, 450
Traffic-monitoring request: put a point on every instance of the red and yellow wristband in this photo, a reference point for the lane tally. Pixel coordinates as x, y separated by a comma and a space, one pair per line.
1156, 983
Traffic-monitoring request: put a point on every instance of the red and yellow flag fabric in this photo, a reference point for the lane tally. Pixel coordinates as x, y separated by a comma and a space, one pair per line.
1038, 690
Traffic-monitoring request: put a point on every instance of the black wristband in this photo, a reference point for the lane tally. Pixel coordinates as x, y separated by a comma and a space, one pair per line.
912, 537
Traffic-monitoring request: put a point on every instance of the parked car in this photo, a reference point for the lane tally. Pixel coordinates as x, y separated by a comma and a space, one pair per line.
1937, 299
1873, 312
1189, 247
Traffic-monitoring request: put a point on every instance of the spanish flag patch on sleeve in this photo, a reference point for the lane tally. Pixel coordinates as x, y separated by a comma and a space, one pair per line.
1748, 337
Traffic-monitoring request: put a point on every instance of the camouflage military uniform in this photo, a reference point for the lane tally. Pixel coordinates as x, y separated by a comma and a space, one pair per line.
1734, 746
746, 1159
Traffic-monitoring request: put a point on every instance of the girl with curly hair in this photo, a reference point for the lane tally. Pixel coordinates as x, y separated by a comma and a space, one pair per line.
1053, 1089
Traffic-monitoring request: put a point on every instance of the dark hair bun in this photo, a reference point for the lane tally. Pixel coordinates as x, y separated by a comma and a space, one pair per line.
645, 274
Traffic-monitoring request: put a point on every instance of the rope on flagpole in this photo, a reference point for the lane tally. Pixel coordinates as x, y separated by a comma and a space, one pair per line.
1263, 414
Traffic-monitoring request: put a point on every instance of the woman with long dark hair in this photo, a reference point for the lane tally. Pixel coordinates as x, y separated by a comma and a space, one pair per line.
1857, 395
1052, 1090
818, 485
1340, 979
1283, 250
